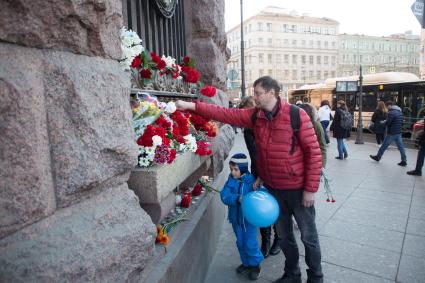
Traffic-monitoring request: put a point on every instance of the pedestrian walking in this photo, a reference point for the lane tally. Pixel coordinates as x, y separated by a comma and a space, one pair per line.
325, 117
289, 165
378, 117
420, 158
340, 127
266, 232
394, 123
239, 183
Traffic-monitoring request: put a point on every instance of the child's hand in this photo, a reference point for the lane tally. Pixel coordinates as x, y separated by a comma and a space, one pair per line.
258, 183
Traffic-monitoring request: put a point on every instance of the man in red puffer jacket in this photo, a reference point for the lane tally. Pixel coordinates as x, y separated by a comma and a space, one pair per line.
292, 178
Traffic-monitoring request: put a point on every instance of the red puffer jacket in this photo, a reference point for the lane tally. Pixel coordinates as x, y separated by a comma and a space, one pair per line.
275, 166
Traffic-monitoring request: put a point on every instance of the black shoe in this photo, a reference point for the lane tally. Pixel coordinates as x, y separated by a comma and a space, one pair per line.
414, 173
374, 157
340, 158
254, 272
345, 155
265, 247
402, 163
288, 279
242, 269
275, 249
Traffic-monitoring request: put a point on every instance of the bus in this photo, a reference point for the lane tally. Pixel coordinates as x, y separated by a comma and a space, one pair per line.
404, 89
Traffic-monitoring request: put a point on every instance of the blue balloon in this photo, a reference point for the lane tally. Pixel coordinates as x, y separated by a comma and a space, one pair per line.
260, 208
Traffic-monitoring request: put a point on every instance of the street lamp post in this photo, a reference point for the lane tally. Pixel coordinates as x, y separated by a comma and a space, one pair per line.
359, 137
242, 56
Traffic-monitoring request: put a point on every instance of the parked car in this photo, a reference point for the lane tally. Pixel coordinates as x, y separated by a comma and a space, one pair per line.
417, 131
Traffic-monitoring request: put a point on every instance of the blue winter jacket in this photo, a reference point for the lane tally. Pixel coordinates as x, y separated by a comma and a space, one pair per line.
232, 190
394, 120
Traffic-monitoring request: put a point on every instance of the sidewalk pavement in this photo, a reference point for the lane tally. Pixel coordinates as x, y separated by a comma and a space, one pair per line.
374, 232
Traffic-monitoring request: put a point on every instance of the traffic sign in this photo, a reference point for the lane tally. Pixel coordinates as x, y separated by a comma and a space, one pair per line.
232, 74
418, 11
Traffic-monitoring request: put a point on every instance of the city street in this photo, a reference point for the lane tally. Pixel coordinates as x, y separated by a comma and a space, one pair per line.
374, 232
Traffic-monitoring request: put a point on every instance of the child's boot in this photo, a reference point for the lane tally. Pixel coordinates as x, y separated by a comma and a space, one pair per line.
254, 272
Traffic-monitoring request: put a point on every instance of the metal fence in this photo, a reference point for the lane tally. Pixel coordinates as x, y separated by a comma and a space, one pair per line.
160, 24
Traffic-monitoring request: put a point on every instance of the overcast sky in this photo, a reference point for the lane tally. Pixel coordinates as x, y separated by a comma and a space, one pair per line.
369, 17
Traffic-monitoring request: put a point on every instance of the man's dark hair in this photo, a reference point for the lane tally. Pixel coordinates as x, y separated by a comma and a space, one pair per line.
389, 103
268, 83
325, 102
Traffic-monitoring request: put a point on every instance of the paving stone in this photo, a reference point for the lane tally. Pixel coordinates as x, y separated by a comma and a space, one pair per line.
389, 197
417, 212
412, 270
362, 258
390, 208
418, 201
337, 274
416, 227
371, 218
414, 245
365, 235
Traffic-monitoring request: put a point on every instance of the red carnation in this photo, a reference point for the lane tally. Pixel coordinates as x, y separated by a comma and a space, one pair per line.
155, 57
145, 73
185, 200
197, 190
172, 155
186, 60
161, 64
208, 91
137, 61
146, 138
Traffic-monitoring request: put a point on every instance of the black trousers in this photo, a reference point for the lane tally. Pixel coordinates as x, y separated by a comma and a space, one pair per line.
290, 205
380, 138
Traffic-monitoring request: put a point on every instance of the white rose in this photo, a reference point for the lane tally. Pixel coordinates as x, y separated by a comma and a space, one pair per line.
157, 140
171, 107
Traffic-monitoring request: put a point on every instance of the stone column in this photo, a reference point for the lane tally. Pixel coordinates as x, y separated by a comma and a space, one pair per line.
66, 146
207, 39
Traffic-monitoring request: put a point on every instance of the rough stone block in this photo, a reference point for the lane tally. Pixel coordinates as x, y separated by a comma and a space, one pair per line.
222, 145
89, 27
26, 183
89, 123
153, 184
102, 239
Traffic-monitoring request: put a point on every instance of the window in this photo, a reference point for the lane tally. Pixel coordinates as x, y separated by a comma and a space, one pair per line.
269, 42
294, 74
303, 60
285, 42
260, 41
269, 59
311, 60
294, 59
326, 45
261, 72
294, 43
303, 75
319, 60
303, 43
279, 58
246, 30
249, 58
326, 60
268, 26
286, 74
333, 74
333, 60
284, 28
286, 59
319, 75
326, 74
260, 26
311, 43
270, 72
319, 44
294, 28
333, 44
260, 58
310, 74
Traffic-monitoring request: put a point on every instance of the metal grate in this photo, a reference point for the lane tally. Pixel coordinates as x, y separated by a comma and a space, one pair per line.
165, 36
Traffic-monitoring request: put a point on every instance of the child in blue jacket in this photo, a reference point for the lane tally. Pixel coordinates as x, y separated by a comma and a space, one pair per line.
238, 184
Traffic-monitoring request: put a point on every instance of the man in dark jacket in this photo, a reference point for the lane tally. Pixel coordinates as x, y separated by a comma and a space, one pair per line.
394, 124
420, 159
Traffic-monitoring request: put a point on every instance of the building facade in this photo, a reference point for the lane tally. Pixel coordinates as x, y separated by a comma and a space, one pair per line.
299, 49
294, 49
396, 53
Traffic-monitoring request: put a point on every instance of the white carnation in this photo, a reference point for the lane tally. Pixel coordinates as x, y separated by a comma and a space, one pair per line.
157, 140
191, 143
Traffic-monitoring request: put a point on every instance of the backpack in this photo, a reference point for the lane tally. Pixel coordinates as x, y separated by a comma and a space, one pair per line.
295, 123
346, 120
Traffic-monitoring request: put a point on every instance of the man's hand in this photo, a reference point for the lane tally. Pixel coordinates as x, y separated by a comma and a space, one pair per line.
184, 105
308, 199
258, 183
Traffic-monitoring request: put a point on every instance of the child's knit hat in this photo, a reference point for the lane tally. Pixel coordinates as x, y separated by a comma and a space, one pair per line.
242, 161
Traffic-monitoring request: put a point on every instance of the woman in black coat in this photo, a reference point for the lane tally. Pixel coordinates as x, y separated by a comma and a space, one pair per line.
339, 132
378, 117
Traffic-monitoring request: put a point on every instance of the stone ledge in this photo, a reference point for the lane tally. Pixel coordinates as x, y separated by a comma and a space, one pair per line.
153, 184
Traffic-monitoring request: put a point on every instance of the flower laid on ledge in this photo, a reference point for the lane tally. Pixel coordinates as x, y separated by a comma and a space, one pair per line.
208, 91
162, 132
131, 46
